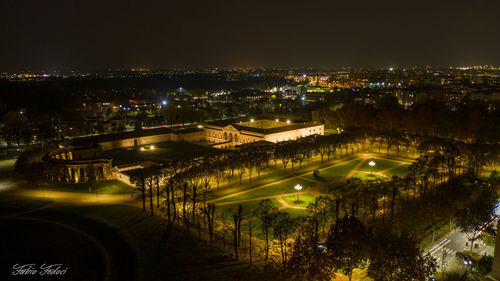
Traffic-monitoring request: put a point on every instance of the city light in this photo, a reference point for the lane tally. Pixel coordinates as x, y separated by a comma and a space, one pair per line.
298, 187
251, 120
164, 102
288, 121
372, 164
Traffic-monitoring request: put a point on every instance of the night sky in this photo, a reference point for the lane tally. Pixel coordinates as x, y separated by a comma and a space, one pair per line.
96, 35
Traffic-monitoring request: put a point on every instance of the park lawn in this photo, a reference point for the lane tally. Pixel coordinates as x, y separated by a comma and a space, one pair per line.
336, 188
103, 187
295, 213
257, 229
305, 199
11, 204
30, 241
400, 171
141, 249
332, 173
6, 169
380, 165
285, 187
367, 176
331, 131
225, 212
164, 151
271, 176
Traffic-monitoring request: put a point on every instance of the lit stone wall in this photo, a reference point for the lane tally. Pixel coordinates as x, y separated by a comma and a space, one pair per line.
138, 141
295, 134
229, 134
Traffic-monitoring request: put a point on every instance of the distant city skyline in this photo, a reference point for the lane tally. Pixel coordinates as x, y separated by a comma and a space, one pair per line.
96, 35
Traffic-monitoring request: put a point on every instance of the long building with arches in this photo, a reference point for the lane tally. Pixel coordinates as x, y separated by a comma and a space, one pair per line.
230, 133
77, 160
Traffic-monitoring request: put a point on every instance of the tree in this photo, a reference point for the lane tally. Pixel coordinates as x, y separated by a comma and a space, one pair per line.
209, 211
308, 261
476, 212
265, 209
347, 244
485, 265
283, 226
138, 177
396, 257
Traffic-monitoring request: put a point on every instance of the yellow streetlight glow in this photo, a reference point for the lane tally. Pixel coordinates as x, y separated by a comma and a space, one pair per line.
298, 187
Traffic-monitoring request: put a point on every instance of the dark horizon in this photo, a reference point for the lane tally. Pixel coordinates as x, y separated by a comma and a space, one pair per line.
93, 36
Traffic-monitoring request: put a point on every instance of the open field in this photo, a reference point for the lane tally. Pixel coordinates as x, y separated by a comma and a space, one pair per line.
26, 241
335, 172
103, 187
165, 151
103, 235
275, 189
279, 186
380, 165
11, 204
304, 199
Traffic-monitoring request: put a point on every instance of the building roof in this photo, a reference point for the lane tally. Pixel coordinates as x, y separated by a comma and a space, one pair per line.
188, 130
119, 136
275, 130
225, 122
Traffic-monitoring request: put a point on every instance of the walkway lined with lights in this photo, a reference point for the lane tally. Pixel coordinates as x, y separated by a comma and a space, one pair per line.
314, 190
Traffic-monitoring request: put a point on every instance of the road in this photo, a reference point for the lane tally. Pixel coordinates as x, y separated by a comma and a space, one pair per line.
444, 250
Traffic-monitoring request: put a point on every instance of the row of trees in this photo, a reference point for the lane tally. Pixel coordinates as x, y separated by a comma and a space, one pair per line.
472, 120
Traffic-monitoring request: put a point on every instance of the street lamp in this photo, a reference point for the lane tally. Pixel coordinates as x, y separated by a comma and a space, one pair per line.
298, 187
372, 164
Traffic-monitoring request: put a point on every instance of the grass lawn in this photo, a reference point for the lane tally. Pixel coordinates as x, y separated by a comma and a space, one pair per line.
6, 168
380, 165
275, 189
367, 176
10, 204
257, 222
304, 198
336, 188
272, 176
331, 131
165, 151
399, 171
140, 248
38, 242
104, 187
332, 173
248, 209
295, 213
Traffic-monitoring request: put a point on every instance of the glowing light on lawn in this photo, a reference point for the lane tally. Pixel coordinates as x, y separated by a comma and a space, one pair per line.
142, 148
371, 163
298, 187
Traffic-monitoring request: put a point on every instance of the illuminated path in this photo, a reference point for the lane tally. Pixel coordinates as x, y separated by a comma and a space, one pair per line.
315, 190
